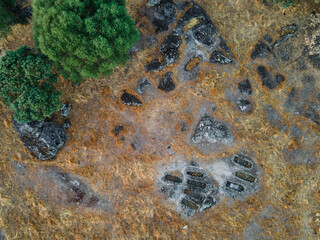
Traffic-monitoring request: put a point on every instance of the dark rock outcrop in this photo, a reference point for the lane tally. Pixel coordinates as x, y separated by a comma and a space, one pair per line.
261, 50
167, 83
170, 48
218, 57
165, 14
43, 139
130, 99
155, 65
245, 87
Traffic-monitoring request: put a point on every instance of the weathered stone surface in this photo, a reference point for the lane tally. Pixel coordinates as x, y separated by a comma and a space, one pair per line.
130, 99
151, 3
143, 85
165, 14
155, 65
65, 109
42, 139
171, 56
66, 124
218, 57
212, 131
245, 87
170, 49
203, 34
167, 83
244, 105
286, 33
261, 50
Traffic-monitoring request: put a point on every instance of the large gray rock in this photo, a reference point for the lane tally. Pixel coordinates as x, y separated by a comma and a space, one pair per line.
43, 139
211, 131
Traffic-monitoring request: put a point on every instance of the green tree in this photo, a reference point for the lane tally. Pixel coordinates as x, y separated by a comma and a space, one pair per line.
26, 80
85, 38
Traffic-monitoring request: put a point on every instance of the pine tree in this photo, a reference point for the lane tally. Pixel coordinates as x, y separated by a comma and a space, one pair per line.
26, 80
85, 38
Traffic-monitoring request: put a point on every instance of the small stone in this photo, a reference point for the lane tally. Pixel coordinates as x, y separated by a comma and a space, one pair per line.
245, 87
261, 50
152, 3
286, 33
130, 99
65, 109
155, 65
244, 105
167, 83
193, 63
66, 124
184, 127
117, 130
143, 84
218, 57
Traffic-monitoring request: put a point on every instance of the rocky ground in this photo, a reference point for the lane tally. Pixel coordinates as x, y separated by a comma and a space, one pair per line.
211, 132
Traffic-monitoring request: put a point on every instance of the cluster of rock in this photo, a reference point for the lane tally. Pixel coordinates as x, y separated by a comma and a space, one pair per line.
192, 190
191, 187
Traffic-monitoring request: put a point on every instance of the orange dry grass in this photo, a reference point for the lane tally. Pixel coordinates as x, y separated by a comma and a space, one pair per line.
126, 176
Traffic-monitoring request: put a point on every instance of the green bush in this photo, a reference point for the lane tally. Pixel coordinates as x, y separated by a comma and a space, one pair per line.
85, 38
26, 80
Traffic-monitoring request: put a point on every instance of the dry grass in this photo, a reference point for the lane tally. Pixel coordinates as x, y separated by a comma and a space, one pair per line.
126, 176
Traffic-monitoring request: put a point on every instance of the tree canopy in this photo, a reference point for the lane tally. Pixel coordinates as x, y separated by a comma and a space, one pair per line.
85, 38
26, 80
